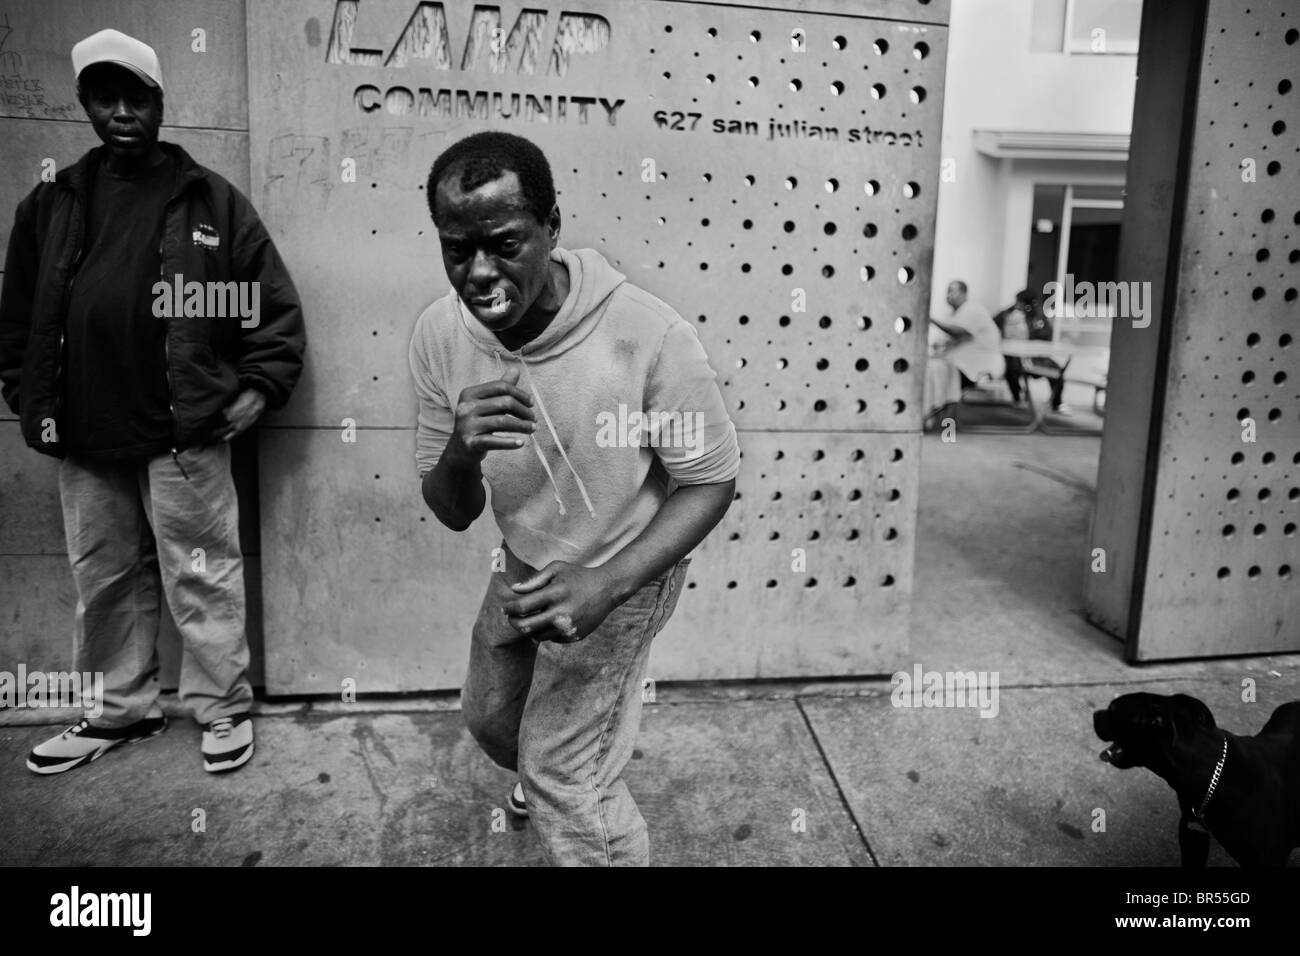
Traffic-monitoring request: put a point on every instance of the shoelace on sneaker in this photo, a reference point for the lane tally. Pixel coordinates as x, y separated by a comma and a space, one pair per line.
76, 728
221, 727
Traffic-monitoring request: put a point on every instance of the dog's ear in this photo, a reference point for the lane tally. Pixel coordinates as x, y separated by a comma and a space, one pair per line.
1196, 710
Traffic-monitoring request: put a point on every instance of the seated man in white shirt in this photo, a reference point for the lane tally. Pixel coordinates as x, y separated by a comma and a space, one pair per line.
971, 350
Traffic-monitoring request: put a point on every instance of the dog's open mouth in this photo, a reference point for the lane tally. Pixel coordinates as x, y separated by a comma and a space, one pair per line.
1113, 753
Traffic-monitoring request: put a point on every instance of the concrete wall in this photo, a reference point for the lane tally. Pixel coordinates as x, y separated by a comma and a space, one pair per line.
390, 600
824, 393
1198, 486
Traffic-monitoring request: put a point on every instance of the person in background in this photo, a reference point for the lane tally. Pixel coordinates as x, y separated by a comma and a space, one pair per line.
1013, 324
1025, 320
969, 349
140, 404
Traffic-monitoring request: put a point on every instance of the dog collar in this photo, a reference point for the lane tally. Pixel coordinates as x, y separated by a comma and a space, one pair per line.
1214, 781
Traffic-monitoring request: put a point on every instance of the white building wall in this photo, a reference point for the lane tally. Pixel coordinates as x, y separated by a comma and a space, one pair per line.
995, 82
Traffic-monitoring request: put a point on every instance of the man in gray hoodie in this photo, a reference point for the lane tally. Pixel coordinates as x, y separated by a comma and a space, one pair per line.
589, 407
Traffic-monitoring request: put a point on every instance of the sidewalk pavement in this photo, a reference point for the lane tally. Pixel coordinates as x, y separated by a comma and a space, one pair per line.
762, 773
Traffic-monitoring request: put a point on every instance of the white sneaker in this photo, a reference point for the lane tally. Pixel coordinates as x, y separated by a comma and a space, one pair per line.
1063, 409
227, 743
81, 743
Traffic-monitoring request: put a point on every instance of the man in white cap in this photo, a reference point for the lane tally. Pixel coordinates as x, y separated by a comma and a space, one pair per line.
140, 401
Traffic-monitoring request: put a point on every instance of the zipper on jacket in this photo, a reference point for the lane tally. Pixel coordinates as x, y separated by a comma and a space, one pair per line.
59, 364
167, 356
171, 405
183, 185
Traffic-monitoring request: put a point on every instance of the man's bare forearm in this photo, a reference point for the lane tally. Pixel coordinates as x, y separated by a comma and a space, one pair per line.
686, 517
956, 331
453, 490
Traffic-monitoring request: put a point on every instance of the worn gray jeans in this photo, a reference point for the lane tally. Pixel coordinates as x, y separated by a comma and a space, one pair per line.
139, 530
566, 716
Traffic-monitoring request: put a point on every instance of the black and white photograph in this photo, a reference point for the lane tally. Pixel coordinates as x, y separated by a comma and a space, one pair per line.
675, 433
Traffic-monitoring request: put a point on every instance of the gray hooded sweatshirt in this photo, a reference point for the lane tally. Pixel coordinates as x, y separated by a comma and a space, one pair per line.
627, 408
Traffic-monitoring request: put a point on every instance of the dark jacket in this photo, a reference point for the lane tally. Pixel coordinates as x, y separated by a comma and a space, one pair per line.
210, 233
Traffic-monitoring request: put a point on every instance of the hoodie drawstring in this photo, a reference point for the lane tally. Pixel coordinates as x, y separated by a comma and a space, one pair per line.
541, 405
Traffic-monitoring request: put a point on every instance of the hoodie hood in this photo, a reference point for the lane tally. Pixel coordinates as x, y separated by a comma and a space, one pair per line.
591, 281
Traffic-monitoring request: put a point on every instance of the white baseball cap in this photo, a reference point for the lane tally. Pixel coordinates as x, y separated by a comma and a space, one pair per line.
111, 46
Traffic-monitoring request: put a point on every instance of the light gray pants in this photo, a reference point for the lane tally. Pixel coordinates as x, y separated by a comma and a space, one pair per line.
140, 529
565, 716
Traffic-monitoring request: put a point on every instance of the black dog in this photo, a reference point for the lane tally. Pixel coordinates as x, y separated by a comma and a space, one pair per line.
1243, 790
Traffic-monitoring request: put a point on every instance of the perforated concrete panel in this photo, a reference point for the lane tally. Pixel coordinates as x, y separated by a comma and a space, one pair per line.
1223, 547
770, 174
1224, 550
